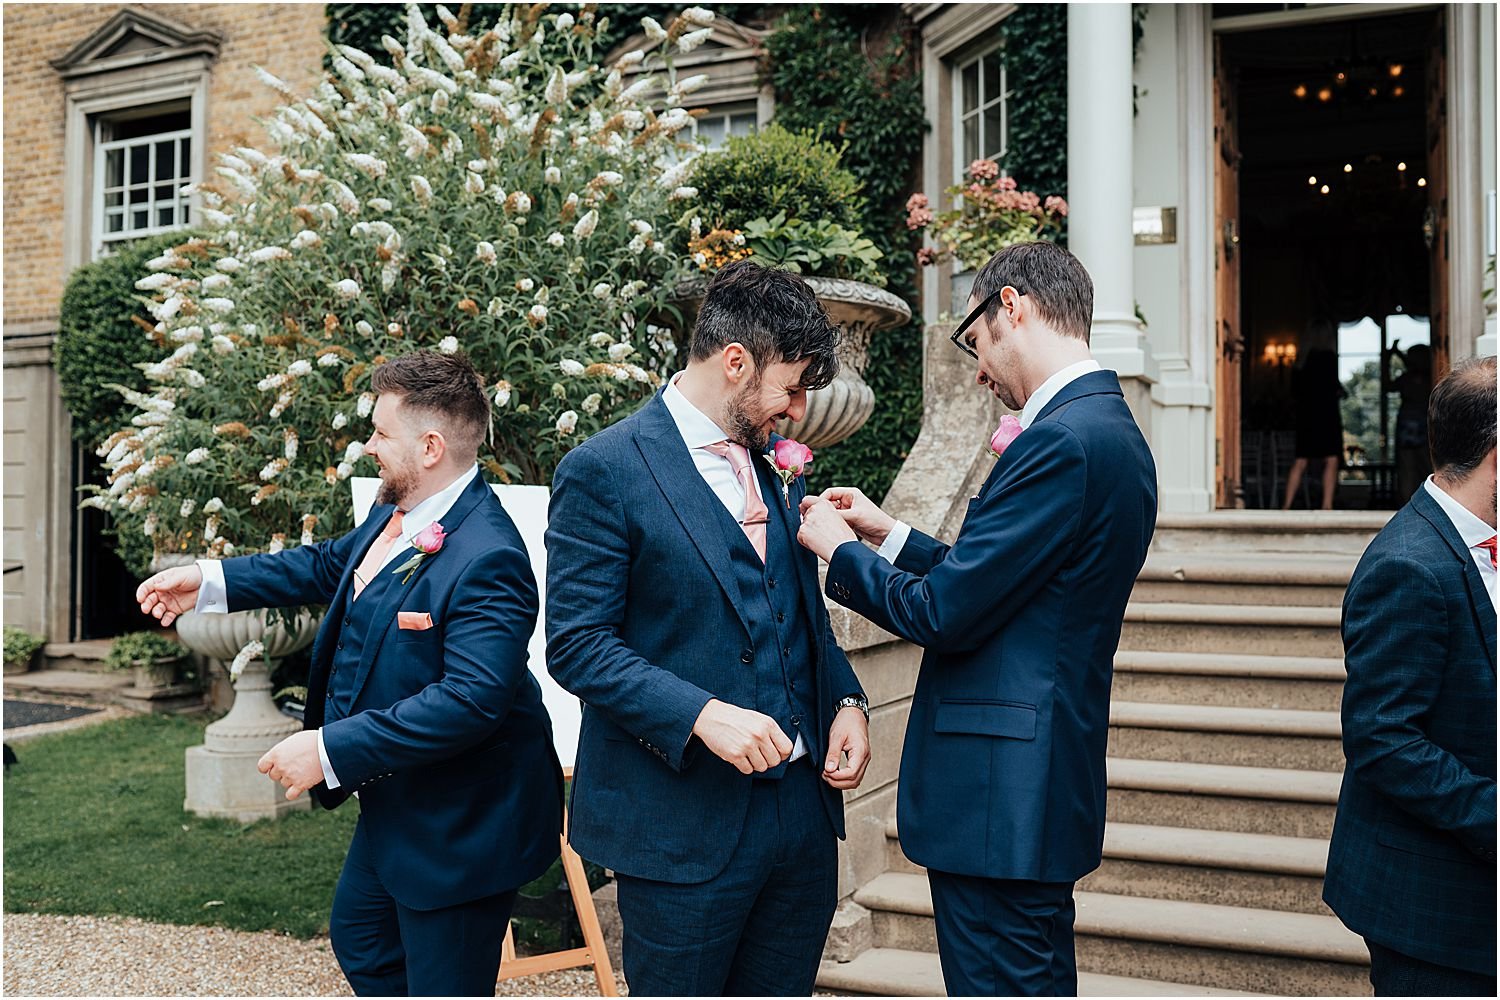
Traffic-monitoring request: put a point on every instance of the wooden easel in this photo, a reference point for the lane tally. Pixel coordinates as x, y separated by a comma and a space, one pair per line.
593, 951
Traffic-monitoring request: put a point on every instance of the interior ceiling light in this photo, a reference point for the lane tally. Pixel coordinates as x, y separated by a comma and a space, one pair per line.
1324, 189
1299, 91
1325, 95
1401, 165
1394, 69
1340, 76
1397, 91
1312, 181
1421, 182
1348, 168
1374, 91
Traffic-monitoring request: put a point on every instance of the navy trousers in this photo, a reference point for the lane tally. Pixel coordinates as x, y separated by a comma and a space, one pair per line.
1396, 975
389, 950
1003, 937
758, 927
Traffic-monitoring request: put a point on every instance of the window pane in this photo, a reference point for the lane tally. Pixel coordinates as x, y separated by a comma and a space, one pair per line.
994, 129
164, 216
165, 192
113, 199
742, 124
114, 222
992, 76
971, 141
114, 168
138, 195
165, 168
711, 131
184, 157
139, 157
971, 87
140, 219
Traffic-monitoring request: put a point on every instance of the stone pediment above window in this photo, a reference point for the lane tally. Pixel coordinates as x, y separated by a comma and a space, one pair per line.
136, 38
730, 58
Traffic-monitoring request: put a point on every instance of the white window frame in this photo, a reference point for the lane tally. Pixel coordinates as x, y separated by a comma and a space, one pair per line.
961, 117
725, 112
103, 241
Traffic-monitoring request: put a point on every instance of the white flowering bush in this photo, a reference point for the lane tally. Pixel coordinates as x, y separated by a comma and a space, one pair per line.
497, 193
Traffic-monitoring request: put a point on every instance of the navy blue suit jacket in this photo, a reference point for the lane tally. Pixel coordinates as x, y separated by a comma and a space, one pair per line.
1002, 775
641, 625
1412, 861
447, 743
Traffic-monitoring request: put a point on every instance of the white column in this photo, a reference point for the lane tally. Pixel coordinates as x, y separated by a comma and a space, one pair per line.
1100, 187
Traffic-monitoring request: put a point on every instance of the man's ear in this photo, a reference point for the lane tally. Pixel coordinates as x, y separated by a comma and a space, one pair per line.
434, 447
736, 362
1014, 304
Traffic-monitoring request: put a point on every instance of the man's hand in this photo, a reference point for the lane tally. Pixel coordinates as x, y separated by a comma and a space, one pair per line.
850, 734
294, 762
860, 512
170, 593
823, 529
750, 741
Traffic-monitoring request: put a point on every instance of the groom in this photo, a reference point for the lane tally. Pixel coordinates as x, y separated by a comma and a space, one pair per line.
420, 701
1002, 777
717, 704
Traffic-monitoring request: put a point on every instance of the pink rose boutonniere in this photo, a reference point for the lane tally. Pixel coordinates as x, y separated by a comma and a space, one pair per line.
1010, 428
429, 542
790, 459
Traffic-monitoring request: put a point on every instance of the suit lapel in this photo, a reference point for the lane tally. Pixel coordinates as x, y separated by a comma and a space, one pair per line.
791, 521
667, 459
1479, 597
1089, 384
394, 593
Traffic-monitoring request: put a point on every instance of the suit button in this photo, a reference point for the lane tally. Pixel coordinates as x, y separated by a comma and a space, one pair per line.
772, 581
786, 651
796, 720
780, 617
346, 622
341, 645
747, 656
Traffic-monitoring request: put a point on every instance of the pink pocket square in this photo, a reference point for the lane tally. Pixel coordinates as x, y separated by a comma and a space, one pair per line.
415, 620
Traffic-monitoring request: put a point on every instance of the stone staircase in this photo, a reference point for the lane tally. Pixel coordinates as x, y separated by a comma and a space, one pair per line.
74, 673
1224, 770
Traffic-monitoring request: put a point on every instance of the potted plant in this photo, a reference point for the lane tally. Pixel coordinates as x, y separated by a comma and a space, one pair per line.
156, 659
782, 199
21, 647
990, 212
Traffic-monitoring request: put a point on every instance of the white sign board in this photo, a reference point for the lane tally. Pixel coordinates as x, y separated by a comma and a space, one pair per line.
527, 506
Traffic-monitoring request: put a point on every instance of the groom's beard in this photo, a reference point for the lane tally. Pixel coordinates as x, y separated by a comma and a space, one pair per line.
396, 485
742, 429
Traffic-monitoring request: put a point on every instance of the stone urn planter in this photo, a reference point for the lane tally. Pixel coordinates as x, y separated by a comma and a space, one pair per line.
860, 310
151, 675
222, 778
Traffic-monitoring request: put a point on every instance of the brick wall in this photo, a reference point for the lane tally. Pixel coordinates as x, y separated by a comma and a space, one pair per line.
286, 39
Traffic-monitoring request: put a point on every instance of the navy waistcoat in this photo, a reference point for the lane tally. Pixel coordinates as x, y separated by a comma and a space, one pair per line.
356, 625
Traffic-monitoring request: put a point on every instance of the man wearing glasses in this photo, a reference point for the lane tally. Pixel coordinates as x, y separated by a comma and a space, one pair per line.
1002, 778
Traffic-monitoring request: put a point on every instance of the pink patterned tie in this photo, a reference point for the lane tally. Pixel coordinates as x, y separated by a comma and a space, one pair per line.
756, 513
370, 564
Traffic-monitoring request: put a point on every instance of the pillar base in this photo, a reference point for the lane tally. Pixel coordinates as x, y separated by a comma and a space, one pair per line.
229, 786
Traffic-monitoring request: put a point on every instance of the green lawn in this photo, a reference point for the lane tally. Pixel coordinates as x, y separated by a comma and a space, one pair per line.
94, 824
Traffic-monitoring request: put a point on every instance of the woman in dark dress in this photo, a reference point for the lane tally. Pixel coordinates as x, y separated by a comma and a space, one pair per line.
1320, 429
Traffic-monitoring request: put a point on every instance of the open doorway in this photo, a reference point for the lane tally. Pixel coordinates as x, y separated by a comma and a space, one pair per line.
1333, 181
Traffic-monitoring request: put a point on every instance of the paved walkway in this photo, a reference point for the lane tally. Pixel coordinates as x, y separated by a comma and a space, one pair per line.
114, 956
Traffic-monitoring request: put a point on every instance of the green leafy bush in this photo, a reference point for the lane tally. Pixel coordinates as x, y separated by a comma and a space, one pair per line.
21, 645
103, 333
823, 248
775, 170
142, 647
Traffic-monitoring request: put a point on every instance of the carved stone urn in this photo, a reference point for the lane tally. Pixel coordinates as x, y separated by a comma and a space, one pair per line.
222, 777
860, 310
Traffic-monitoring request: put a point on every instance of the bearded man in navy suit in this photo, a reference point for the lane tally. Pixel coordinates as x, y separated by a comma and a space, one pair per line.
1002, 777
419, 697
718, 707
1411, 864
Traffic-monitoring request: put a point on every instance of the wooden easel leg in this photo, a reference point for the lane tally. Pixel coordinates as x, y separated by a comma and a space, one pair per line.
588, 921
508, 949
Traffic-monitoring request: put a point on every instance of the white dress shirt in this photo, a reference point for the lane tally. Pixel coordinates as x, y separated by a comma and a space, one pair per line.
213, 597
896, 540
1471, 529
698, 429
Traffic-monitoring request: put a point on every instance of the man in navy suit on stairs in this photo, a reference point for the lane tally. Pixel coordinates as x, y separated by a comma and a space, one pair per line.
718, 706
1411, 865
1002, 776
419, 698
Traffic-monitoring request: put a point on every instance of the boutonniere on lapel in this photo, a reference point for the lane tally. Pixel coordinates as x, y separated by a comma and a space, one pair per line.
790, 459
1010, 428
429, 542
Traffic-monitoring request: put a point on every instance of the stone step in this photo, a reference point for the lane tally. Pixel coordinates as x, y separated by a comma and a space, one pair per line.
89, 686
1199, 866
1209, 866
1297, 533
1244, 578
84, 657
895, 972
1213, 734
1228, 947
1231, 628
1281, 801
1239, 679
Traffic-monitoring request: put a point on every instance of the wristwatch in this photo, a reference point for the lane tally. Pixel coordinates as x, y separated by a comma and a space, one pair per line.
854, 700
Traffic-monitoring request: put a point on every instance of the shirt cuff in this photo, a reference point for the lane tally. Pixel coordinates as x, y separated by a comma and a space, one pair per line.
213, 594
894, 542
329, 778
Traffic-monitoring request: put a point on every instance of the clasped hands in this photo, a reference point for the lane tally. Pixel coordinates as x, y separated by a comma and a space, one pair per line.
841, 514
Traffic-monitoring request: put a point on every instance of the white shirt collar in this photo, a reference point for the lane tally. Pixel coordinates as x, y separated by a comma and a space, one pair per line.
1052, 387
1470, 527
435, 506
695, 426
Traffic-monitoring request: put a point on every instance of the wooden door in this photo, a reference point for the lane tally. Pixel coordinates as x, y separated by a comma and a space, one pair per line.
1435, 223
1228, 490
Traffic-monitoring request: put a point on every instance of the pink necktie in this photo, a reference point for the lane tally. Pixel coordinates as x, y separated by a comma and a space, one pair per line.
756, 513
371, 563
1489, 546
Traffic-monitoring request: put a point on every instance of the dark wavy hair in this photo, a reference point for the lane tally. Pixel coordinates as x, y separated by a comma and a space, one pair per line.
773, 315
442, 386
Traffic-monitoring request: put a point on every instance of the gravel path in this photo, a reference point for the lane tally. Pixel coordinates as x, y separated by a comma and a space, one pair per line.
114, 956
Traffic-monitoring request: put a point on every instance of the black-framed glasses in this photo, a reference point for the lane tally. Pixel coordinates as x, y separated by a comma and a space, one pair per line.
978, 311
